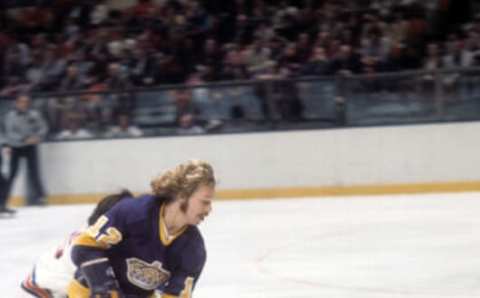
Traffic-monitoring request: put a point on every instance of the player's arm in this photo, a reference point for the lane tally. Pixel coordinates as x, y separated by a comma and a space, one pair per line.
89, 252
182, 282
181, 286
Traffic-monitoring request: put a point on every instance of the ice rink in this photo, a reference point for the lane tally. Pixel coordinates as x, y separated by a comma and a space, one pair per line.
357, 247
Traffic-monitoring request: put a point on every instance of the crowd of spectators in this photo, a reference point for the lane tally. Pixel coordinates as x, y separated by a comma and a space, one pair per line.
91, 45
88, 45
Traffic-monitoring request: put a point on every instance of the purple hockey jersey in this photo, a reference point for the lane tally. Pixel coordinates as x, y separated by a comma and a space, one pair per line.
144, 258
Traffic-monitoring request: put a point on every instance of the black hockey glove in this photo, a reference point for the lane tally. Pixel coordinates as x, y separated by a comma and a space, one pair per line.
100, 279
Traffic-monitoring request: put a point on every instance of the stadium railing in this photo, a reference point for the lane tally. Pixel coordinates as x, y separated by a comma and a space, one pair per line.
275, 104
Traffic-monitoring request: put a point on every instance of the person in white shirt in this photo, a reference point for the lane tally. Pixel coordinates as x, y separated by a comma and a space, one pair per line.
124, 129
73, 129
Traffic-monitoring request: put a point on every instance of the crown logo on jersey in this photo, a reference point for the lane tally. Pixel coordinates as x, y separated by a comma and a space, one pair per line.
145, 275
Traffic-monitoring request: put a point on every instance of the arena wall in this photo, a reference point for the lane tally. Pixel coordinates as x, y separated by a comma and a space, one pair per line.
359, 161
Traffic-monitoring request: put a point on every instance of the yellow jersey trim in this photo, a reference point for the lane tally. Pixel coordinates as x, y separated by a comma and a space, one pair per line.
164, 238
77, 290
187, 291
84, 239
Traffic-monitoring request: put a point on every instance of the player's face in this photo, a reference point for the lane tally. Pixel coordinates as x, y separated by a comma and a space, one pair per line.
200, 204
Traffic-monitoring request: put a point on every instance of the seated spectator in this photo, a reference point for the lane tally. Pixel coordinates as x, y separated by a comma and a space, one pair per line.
13, 64
138, 64
318, 65
291, 58
124, 129
452, 58
187, 125
234, 66
184, 104
72, 80
117, 78
303, 48
98, 110
258, 58
119, 81
432, 63
35, 73
53, 67
99, 13
347, 62
164, 42
287, 99
211, 57
73, 129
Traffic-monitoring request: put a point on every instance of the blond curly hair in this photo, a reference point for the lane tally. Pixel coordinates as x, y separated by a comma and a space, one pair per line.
183, 180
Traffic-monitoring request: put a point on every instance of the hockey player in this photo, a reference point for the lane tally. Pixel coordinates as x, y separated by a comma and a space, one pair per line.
148, 243
54, 270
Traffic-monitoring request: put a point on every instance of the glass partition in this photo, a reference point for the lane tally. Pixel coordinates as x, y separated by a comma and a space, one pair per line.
249, 106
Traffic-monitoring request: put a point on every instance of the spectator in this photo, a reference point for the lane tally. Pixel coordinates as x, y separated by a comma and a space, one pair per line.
470, 51
244, 31
370, 82
452, 59
431, 63
291, 59
347, 62
118, 80
124, 129
396, 60
73, 129
318, 63
138, 64
211, 57
34, 73
234, 67
263, 91
25, 128
93, 36
258, 58
53, 67
99, 13
98, 110
187, 125
184, 105
303, 48
73, 81
288, 102
13, 65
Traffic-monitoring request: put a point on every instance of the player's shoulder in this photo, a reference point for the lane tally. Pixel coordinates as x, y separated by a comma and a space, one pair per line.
194, 243
134, 203
137, 207
194, 235
193, 255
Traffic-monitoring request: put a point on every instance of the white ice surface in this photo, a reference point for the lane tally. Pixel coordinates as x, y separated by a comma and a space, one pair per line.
359, 247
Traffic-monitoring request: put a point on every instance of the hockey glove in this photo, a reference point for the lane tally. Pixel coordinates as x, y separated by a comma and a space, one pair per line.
100, 279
